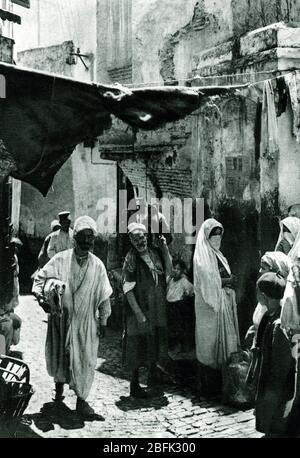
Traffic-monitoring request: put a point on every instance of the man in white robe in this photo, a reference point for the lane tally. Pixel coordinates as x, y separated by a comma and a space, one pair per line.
63, 238
73, 338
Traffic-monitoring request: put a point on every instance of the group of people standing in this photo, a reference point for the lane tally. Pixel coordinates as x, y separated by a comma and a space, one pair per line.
153, 285
273, 336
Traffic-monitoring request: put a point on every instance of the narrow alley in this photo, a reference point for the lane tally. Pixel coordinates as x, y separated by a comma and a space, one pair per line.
177, 414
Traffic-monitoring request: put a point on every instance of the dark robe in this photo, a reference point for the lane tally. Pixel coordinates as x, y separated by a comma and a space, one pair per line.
141, 348
276, 377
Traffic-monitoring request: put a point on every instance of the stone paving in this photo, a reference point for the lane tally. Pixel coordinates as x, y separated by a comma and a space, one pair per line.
176, 414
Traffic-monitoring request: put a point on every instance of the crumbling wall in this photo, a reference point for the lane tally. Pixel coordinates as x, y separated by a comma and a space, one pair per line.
209, 25
249, 15
152, 22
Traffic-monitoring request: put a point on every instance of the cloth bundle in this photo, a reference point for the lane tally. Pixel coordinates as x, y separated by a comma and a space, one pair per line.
53, 292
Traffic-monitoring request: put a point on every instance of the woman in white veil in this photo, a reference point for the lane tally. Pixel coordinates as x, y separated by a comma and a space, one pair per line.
217, 333
289, 235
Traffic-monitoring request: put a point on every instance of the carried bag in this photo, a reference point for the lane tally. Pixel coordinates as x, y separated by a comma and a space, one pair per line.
236, 390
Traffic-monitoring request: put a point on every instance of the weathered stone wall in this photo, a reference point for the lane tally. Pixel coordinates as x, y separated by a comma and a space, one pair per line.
6, 49
250, 15
171, 39
51, 59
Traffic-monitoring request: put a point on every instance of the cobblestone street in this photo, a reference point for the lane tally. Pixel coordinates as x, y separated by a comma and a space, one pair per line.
177, 414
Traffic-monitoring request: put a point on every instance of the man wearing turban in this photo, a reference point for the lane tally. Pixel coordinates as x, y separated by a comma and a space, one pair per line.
145, 340
73, 338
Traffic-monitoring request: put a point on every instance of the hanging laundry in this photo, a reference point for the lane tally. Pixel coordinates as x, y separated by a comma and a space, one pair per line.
293, 83
269, 127
282, 95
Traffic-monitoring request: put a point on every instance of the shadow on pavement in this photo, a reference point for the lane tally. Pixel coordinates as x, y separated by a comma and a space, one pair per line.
17, 428
129, 403
56, 413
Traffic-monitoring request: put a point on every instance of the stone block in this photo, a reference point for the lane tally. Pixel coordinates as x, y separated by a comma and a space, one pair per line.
275, 35
215, 56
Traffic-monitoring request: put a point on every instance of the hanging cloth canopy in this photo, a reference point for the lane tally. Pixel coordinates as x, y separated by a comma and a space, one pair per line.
44, 116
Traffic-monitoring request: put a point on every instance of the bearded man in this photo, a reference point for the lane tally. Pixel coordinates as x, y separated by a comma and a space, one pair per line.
73, 338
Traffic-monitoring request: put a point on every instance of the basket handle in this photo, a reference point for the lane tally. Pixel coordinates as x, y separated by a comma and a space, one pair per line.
10, 372
20, 363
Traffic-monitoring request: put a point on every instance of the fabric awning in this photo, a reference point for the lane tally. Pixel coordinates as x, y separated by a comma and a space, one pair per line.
44, 116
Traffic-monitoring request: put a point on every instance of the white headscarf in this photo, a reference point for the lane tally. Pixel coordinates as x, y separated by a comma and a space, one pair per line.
84, 222
295, 250
293, 225
277, 262
207, 279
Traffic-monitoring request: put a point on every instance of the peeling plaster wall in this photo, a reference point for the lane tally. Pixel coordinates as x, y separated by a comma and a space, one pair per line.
170, 39
168, 36
153, 21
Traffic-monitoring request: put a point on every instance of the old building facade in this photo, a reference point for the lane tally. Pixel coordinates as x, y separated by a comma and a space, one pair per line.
215, 153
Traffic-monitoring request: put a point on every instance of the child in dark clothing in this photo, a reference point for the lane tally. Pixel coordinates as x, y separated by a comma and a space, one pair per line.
275, 364
180, 293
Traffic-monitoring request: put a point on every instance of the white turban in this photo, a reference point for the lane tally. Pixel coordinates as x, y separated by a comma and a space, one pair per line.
132, 227
84, 222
